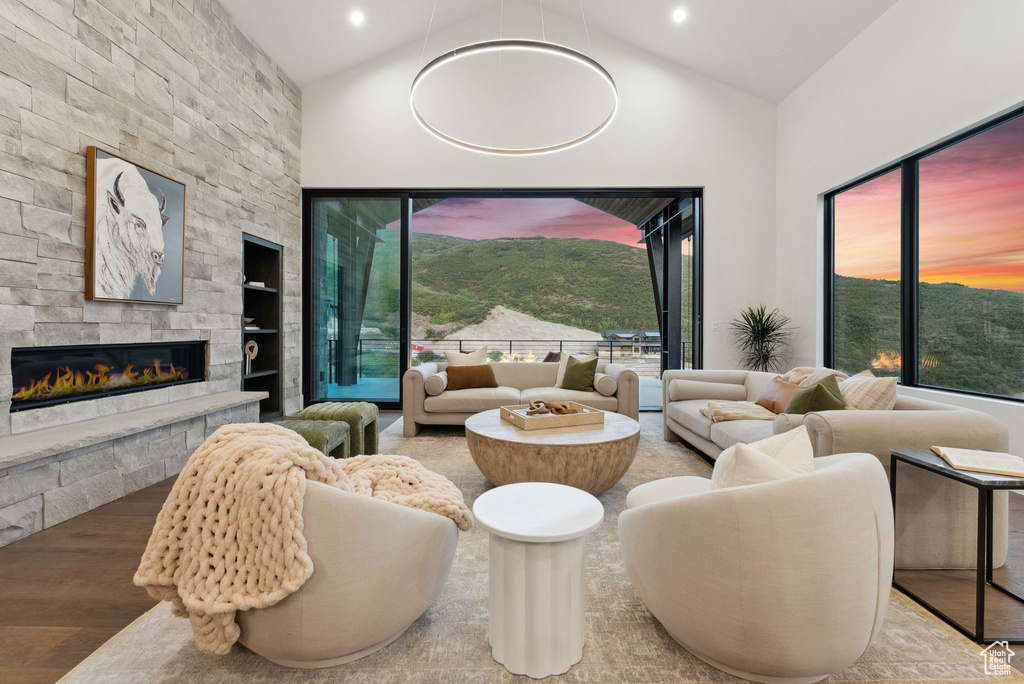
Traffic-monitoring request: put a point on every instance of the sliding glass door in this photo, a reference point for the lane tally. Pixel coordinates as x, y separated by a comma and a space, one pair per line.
354, 313
393, 279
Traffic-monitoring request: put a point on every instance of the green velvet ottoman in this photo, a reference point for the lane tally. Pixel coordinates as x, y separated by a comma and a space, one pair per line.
360, 416
329, 436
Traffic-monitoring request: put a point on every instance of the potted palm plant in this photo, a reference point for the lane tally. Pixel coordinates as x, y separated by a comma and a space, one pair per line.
762, 337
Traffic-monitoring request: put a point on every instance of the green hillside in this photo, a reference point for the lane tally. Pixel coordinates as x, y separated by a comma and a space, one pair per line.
971, 338
590, 284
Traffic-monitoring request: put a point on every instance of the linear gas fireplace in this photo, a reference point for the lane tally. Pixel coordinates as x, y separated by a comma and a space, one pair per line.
44, 376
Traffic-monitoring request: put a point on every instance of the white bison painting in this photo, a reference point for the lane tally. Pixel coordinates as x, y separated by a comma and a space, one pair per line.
136, 222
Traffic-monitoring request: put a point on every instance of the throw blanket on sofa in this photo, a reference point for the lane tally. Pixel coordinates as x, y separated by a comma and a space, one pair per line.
230, 535
721, 411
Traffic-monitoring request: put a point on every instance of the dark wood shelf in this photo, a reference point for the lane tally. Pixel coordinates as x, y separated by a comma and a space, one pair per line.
261, 261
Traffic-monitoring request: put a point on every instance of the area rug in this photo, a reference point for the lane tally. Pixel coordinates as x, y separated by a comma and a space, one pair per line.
448, 644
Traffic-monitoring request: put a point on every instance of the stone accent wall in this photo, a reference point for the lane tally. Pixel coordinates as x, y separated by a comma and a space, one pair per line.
44, 493
173, 85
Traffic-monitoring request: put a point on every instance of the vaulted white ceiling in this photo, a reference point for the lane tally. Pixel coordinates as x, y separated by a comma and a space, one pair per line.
763, 47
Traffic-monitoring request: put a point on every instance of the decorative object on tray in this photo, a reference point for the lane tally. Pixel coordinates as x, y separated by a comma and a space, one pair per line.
560, 408
135, 232
251, 351
979, 461
520, 416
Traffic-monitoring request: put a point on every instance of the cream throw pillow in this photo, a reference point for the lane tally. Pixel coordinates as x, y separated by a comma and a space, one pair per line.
770, 459
805, 376
564, 361
865, 392
477, 358
606, 385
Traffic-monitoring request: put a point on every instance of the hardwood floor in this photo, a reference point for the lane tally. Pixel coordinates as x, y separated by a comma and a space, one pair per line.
954, 591
68, 589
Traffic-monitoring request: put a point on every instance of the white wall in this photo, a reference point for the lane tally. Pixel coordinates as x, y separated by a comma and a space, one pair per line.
674, 128
923, 71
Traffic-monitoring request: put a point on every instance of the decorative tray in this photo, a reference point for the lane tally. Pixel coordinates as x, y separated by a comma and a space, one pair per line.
517, 416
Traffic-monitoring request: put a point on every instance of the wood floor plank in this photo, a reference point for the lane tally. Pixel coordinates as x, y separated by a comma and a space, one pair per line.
68, 589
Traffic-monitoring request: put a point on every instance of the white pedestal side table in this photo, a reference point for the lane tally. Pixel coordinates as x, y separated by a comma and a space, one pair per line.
535, 607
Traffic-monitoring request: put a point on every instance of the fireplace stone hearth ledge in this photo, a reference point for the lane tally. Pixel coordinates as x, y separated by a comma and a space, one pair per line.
51, 475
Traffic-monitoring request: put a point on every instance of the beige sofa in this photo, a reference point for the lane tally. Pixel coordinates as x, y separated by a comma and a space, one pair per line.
792, 596
426, 401
936, 524
377, 567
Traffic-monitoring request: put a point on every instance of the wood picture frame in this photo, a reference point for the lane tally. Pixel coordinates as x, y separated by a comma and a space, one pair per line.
134, 232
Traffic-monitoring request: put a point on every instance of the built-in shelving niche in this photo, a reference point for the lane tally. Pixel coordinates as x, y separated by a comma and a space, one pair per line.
261, 264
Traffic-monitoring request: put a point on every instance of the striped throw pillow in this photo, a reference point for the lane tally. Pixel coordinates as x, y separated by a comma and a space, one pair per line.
865, 392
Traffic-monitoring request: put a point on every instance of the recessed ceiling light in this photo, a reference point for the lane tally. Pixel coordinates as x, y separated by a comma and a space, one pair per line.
679, 16
357, 18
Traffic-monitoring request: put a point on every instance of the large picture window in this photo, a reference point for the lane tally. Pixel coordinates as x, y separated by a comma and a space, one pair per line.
867, 276
926, 266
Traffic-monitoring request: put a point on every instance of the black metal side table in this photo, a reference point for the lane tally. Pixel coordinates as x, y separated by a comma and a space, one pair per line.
986, 484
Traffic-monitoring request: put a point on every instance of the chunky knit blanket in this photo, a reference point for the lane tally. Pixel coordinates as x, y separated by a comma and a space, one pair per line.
230, 535
402, 480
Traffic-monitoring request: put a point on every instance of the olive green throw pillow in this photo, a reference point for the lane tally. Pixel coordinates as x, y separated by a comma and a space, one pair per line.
579, 375
821, 396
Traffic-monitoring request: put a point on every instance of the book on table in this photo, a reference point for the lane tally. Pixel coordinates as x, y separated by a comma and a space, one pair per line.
978, 461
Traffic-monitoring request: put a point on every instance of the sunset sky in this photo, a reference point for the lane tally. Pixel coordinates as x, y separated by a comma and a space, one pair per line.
971, 216
485, 218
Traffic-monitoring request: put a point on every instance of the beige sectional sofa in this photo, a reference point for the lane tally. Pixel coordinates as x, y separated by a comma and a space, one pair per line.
427, 401
936, 523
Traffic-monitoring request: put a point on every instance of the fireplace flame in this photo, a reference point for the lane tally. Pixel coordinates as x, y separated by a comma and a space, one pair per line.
69, 381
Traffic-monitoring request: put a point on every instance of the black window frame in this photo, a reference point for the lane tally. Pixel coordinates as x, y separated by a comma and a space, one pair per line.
909, 255
406, 195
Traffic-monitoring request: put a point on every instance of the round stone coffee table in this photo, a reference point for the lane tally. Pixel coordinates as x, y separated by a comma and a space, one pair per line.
588, 457
535, 601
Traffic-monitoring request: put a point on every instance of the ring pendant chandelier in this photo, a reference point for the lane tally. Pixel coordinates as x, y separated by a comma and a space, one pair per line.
511, 45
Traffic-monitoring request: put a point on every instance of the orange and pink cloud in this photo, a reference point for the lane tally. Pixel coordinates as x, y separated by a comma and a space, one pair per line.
971, 218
